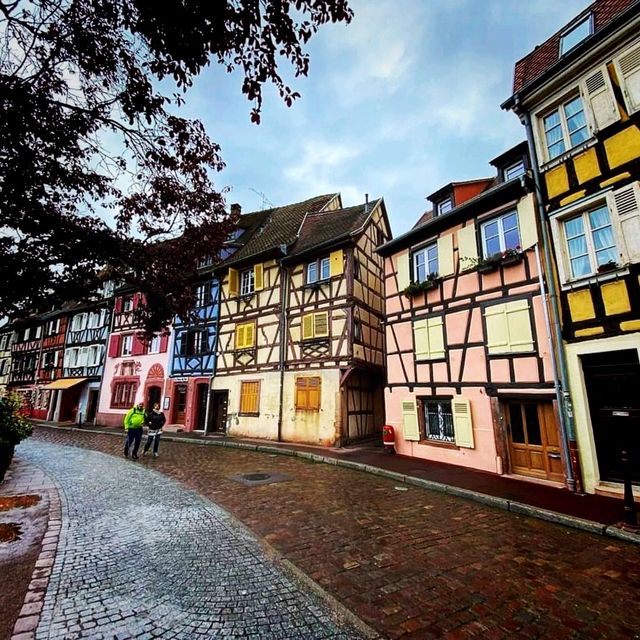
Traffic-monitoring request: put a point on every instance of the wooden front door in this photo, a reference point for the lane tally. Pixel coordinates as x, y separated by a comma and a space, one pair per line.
220, 401
179, 403
201, 405
534, 439
612, 380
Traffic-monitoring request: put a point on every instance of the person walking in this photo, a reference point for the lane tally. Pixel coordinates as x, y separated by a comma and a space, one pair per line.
133, 423
155, 421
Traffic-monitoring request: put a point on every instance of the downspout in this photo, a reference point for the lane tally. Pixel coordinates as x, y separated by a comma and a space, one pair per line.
284, 288
567, 424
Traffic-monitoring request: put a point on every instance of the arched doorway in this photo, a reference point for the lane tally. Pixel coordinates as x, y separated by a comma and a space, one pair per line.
153, 386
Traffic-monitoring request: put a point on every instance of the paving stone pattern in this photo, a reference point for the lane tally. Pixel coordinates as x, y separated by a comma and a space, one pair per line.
415, 564
140, 556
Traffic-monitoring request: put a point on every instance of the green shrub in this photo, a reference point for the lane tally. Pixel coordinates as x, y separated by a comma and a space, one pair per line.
14, 427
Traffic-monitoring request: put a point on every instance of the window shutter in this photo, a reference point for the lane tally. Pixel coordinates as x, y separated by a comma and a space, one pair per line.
467, 247
527, 222
258, 275
628, 69
402, 269
313, 394
233, 283
307, 326
602, 109
625, 205
114, 346
336, 260
321, 324
118, 305
421, 339
164, 342
301, 393
519, 326
445, 256
497, 331
249, 335
240, 336
435, 331
136, 300
138, 346
462, 423
410, 428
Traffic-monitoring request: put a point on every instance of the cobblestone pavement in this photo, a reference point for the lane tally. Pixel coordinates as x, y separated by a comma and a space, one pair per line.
142, 557
410, 562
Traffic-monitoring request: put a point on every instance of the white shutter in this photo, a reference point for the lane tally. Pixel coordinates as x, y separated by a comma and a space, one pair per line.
597, 91
527, 222
624, 203
628, 69
410, 428
402, 269
467, 247
445, 256
462, 423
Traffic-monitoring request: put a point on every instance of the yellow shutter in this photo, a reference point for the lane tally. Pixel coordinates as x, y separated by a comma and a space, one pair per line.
336, 260
313, 391
301, 394
410, 428
462, 423
497, 332
401, 261
421, 339
435, 332
233, 282
249, 335
239, 336
467, 247
307, 326
258, 283
527, 222
321, 324
519, 326
445, 256
249, 397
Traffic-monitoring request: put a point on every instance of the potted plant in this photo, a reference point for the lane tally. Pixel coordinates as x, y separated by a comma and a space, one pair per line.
511, 256
488, 264
610, 265
430, 282
14, 427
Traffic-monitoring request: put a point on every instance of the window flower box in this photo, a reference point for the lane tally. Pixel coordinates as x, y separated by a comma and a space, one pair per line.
511, 256
415, 288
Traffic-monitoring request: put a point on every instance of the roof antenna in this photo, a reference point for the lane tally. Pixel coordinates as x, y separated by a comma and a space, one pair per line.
265, 200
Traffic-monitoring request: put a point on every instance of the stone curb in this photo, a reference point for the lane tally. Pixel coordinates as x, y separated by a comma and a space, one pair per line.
611, 531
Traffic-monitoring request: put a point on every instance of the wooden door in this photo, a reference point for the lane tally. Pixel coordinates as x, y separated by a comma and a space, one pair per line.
201, 405
220, 402
179, 403
534, 439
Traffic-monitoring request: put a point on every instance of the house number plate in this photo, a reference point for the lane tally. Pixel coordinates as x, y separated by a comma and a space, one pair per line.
621, 414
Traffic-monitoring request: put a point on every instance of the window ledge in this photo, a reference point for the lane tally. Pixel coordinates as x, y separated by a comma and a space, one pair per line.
562, 158
439, 444
243, 350
595, 278
249, 415
314, 340
316, 285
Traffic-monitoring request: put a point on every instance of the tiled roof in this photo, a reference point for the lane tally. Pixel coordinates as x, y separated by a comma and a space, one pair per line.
269, 229
320, 229
544, 56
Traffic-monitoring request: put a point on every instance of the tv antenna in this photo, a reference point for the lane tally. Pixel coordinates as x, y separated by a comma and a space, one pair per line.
265, 200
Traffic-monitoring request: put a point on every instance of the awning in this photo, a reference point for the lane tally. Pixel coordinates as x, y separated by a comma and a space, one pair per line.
63, 383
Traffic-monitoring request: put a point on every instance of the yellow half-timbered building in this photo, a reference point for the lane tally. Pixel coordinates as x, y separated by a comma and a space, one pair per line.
300, 351
578, 95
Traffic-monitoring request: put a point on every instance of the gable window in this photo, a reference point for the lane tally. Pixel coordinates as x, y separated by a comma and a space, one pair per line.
318, 270
315, 325
250, 398
425, 262
514, 170
500, 234
565, 127
576, 34
590, 241
126, 345
308, 394
436, 419
245, 335
509, 327
247, 282
444, 206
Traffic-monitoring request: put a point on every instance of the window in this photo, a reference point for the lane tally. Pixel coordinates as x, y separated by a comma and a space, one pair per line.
52, 327
428, 335
590, 241
193, 343
50, 360
444, 206
94, 355
245, 335
315, 325
94, 319
3, 342
318, 270
436, 419
576, 34
357, 330
126, 345
500, 234
79, 322
38, 331
202, 293
425, 262
124, 395
509, 327
127, 303
356, 269
565, 127
250, 398
247, 282
308, 394
514, 170
205, 262
4, 366
154, 345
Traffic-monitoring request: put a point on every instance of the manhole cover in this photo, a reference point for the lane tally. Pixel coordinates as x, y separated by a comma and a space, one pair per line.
254, 479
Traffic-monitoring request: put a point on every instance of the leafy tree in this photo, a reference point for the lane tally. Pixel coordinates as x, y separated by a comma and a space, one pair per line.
86, 130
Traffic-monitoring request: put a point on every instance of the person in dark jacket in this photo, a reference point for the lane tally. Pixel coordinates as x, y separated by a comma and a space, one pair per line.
133, 423
155, 421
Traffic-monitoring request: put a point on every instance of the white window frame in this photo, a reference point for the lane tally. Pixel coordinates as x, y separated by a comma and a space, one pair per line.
444, 206
154, 344
247, 282
424, 252
501, 232
126, 345
79, 322
202, 294
516, 169
321, 269
3, 342
127, 303
559, 107
93, 321
94, 354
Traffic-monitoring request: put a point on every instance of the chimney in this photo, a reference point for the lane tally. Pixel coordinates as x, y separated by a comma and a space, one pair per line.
366, 203
236, 209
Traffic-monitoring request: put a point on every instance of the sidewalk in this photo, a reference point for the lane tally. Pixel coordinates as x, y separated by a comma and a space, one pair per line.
594, 513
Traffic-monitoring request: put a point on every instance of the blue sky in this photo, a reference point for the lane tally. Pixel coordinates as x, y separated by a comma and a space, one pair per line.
397, 104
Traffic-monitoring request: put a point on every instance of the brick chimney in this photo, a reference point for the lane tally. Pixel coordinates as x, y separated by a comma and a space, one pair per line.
236, 209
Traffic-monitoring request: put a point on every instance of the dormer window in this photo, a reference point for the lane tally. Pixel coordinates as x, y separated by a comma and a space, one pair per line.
234, 235
444, 206
576, 34
514, 170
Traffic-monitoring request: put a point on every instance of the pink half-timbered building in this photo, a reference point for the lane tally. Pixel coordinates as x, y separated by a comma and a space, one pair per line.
470, 378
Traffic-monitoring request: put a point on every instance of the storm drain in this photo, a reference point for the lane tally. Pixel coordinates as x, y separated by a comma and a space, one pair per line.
254, 479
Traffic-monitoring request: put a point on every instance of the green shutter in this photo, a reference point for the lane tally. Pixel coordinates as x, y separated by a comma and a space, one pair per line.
421, 339
467, 247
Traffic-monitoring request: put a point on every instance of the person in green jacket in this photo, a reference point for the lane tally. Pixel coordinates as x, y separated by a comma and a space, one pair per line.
133, 423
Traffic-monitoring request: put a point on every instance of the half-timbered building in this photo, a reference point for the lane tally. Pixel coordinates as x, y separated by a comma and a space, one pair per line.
578, 94
6, 336
470, 376
49, 372
289, 364
25, 355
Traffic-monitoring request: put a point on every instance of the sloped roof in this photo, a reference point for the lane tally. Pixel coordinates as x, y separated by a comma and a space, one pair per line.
269, 229
326, 227
544, 56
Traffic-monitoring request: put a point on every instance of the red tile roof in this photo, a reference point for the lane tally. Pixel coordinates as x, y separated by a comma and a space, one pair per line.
547, 54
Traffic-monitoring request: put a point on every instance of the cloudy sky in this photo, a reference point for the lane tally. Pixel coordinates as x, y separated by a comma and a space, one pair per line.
397, 104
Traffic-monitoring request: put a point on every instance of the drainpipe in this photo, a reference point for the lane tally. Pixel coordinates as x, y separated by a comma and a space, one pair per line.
284, 288
567, 424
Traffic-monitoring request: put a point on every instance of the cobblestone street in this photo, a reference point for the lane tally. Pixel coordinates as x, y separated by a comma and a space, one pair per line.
140, 556
409, 562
